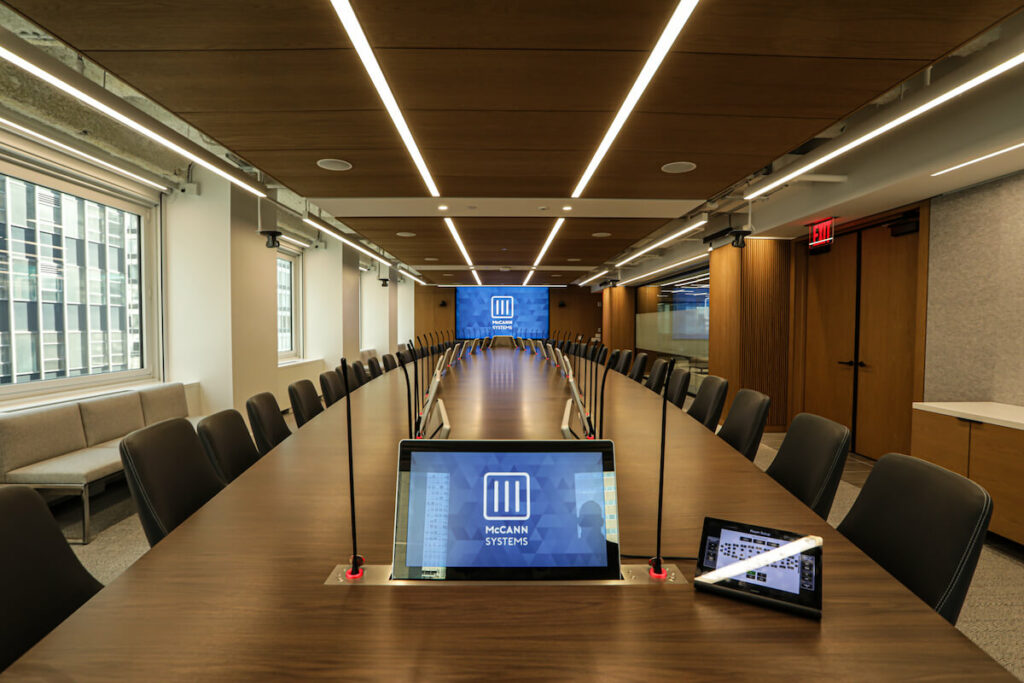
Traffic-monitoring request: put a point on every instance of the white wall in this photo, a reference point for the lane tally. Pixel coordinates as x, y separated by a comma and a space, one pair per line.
406, 313
323, 323
373, 311
197, 290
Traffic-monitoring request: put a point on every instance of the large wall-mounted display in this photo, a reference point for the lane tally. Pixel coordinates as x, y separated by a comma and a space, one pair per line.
488, 311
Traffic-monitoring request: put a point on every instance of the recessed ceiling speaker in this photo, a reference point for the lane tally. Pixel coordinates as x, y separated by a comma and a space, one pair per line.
678, 167
334, 164
405, 234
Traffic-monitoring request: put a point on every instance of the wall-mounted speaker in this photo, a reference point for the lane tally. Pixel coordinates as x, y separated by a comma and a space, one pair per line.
444, 303
561, 304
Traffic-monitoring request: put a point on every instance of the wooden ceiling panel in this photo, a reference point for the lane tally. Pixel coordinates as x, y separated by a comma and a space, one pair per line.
374, 172
247, 80
681, 134
509, 130
297, 130
756, 85
626, 174
432, 238
576, 239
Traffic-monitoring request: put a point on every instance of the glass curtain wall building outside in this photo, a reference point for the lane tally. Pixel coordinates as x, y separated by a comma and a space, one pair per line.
70, 285
285, 305
673, 320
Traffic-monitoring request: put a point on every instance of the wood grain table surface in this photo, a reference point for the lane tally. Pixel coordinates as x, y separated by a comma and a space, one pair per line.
237, 591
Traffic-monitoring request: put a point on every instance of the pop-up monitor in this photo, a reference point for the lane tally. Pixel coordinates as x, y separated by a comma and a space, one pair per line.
511, 510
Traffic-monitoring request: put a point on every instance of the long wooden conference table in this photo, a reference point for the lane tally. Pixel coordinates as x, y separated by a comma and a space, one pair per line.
237, 591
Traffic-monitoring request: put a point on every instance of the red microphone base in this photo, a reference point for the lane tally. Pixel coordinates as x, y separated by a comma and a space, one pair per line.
356, 562
660, 576
354, 577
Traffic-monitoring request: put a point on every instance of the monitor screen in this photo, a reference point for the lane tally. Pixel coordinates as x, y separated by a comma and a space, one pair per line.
489, 311
506, 510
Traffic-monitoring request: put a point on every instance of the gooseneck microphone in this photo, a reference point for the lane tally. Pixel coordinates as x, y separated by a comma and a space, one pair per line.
657, 571
403, 358
414, 354
355, 571
612, 360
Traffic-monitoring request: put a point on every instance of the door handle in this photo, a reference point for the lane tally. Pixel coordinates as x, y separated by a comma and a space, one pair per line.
849, 363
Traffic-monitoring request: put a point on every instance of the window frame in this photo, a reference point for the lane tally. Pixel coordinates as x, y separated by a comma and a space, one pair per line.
143, 204
295, 257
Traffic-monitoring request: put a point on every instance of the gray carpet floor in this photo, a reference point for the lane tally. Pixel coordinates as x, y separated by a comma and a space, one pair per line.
992, 616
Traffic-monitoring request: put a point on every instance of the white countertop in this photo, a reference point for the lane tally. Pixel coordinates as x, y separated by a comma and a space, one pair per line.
1002, 414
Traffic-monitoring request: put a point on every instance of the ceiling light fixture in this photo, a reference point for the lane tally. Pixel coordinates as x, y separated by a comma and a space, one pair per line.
566, 208
109, 111
593, 277
675, 167
362, 46
662, 269
547, 243
702, 219
292, 240
476, 277
328, 231
11, 125
526, 280
405, 233
675, 25
442, 207
411, 276
997, 70
688, 279
974, 161
458, 240
334, 164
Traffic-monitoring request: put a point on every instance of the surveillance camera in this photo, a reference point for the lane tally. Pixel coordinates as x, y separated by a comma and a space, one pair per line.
272, 241
384, 281
739, 238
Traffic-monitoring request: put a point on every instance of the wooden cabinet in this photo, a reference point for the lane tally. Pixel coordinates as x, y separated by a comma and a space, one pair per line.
992, 455
997, 463
941, 439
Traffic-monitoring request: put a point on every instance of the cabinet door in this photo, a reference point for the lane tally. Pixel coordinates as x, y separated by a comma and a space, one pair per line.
831, 327
997, 463
941, 439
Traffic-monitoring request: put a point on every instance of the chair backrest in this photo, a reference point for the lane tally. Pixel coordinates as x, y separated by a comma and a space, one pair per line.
268, 425
678, 385
389, 362
374, 368
360, 373
707, 404
613, 358
625, 361
227, 443
331, 386
744, 425
305, 402
810, 460
169, 475
925, 525
656, 380
41, 581
639, 365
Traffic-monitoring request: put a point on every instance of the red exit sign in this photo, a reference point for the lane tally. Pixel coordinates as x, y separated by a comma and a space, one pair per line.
821, 233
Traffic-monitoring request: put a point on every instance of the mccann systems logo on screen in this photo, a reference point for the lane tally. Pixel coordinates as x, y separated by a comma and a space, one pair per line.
506, 499
502, 313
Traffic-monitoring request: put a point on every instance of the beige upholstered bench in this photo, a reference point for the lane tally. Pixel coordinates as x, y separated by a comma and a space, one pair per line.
74, 446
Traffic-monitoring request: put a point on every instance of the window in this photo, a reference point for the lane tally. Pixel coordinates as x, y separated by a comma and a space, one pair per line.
288, 305
70, 285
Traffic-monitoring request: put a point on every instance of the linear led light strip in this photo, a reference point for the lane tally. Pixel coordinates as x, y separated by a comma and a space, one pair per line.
354, 29
593, 277
363, 250
527, 278
662, 269
547, 243
688, 279
668, 36
701, 220
11, 125
982, 158
292, 240
91, 101
895, 123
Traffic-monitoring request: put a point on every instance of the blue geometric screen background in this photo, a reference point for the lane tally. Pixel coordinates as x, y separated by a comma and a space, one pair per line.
565, 527
487, 311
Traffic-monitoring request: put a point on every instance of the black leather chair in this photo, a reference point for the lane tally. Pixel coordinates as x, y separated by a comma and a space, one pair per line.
41, 581
305, 402
331, 386
373, 365
359, 373
925, 525
353, 383
625, 362
169, 475
656, 379
744, 425
678, 385
268, 425
227, 443
389, 362
639, 365
707, 404
810, 460
613, 359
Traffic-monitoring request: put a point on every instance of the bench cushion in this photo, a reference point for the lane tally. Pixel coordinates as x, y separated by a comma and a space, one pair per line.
80, 467
30, 436
164, 402
111, 417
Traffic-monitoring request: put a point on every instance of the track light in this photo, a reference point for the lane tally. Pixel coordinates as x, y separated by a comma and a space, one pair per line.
593, 277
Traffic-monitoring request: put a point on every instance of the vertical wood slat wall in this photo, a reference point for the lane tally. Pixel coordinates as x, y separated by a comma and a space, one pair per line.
750, 322
618, 317
430, 316
581, 312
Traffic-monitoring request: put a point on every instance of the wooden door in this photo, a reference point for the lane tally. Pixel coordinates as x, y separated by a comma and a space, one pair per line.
885, 381
831, 331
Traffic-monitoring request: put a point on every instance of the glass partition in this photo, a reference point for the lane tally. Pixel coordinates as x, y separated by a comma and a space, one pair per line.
672, 322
